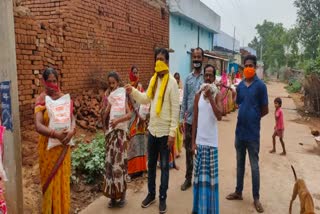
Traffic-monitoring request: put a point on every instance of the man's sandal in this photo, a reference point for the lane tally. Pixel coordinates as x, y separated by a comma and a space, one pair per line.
258, 206
234, 196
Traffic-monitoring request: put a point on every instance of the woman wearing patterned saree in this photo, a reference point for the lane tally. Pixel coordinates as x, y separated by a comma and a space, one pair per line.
55, 163
116, 163
137, 161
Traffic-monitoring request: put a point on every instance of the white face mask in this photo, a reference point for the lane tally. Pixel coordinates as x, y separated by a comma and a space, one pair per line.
197, 64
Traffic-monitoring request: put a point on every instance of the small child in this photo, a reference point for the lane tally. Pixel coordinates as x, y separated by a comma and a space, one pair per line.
279, 127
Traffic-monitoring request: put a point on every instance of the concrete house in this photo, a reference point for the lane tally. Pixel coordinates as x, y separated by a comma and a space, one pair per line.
227, 46
191, 24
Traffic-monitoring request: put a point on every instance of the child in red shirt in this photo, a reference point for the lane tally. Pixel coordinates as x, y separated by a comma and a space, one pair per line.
279, 127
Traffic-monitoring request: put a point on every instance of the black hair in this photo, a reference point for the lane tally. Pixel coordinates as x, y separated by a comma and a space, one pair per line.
134, 67
199, 49
208, 66
278, 100
115, 75
177, 73
49, 71
161, 51
250, 57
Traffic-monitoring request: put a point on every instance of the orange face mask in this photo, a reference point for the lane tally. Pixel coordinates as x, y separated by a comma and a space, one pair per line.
249, 72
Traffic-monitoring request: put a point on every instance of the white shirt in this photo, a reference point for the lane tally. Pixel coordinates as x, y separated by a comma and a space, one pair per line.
207, 131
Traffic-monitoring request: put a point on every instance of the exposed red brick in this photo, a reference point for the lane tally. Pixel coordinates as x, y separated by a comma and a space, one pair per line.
82, 40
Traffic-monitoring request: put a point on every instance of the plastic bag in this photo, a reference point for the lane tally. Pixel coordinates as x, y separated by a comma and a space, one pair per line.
117, 99
180, 96
60, 117
213, 89
144, 110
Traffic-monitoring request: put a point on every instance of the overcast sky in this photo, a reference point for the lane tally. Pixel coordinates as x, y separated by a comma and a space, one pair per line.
246, 14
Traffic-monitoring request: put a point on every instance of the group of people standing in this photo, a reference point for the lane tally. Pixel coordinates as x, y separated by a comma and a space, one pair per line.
228, 91
195, 113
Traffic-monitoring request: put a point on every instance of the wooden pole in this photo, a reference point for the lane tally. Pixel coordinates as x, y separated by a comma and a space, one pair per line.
12, 142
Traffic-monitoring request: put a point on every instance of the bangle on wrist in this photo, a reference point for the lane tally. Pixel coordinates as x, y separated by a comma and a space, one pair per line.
51, 135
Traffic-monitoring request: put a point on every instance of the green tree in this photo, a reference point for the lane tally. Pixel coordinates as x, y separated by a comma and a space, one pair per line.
256, 45
291, 45
308, 26
271, 38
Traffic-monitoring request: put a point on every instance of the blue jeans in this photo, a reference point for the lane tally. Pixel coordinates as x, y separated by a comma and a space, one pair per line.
253, 151
158, 146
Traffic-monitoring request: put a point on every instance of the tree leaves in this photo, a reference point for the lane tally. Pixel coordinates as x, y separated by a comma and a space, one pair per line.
272, 38
308, 25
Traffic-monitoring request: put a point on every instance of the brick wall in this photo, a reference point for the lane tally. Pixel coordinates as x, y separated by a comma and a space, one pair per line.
84, 39
37, 46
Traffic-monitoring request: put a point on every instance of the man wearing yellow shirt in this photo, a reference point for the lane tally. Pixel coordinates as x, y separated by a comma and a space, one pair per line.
163, 94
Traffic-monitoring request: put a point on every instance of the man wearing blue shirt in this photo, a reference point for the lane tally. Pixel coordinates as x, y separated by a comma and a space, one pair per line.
191, 86
252, 99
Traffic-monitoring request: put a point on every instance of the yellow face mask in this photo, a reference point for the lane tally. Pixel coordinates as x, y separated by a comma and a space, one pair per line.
161, 66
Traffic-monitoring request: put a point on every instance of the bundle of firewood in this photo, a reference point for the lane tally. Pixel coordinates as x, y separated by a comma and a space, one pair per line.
87, 109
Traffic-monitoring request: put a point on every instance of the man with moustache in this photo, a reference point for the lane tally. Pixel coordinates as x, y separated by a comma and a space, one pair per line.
191, 86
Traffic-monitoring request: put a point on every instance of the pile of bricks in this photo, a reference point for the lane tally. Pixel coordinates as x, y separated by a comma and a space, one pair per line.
85, 39
87, 108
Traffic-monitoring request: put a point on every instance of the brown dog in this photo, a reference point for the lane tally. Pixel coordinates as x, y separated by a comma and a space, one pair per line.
306, 201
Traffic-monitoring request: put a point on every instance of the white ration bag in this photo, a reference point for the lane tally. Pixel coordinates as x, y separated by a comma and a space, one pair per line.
59, 117
144, 110
117, 99
213, 90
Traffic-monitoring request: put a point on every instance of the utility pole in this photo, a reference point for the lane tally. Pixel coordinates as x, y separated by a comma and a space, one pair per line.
12, 140
234, 40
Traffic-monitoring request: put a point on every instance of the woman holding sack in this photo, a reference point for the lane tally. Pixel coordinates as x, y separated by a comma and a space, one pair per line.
53, 147
137, 161
118, 113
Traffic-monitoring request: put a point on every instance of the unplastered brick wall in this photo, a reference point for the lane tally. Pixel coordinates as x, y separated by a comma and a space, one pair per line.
37, 46
83, 40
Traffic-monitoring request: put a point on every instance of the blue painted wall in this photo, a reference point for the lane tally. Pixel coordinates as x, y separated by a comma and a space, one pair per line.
184, 36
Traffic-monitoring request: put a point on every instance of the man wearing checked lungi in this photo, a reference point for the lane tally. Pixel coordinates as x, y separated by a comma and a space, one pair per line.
207, 111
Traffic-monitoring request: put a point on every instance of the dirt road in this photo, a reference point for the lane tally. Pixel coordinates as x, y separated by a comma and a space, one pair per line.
276, 175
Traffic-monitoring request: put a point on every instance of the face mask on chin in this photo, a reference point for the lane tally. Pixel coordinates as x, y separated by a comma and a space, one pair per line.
197, 64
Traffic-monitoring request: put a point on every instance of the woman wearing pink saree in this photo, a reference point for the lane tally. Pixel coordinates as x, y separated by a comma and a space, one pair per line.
224, 91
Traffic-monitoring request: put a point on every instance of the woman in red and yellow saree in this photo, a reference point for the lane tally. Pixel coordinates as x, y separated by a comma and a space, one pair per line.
54, 163
137, 161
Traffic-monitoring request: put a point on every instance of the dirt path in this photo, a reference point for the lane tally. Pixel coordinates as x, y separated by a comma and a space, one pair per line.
276, 175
